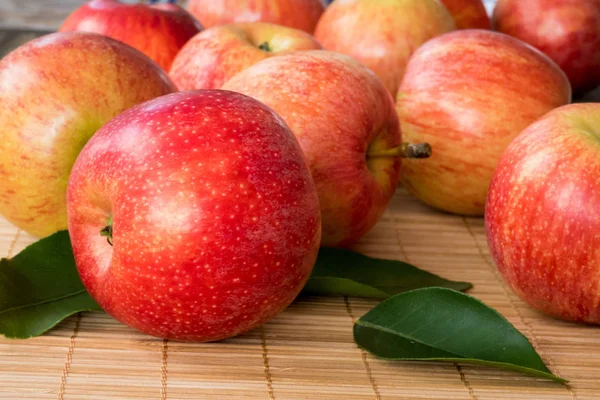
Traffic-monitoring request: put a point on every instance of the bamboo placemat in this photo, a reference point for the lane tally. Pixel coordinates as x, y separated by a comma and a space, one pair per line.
307, 352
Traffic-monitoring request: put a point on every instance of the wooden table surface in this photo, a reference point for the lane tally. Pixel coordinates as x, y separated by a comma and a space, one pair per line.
35, 14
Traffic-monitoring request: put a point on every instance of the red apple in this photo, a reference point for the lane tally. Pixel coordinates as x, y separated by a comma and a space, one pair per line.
55, 92
194, 216
212, 57
298, 14
469, 93
382, 34
158, 30
566, 30
341, 113
542, 216
468, 14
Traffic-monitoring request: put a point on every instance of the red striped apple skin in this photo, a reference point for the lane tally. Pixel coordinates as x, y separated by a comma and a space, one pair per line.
568, 31
339, 111
157, 30
216, 222
55, 92
542, 216
469, 93
468, 14
382, 34
298, 14
212, 57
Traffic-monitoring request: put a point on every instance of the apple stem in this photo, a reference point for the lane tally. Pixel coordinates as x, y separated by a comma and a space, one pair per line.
265, 47
405, 150
107, 230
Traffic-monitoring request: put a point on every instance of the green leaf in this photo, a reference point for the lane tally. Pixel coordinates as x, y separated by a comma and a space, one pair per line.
440, 324
40, 287
347, 273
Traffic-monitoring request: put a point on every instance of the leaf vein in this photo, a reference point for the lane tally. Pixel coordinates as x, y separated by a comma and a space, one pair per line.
42, 302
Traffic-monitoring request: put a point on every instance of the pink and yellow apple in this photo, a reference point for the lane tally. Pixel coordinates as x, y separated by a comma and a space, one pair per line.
212, 57
157, 30
194, 216
468, 14
542, 216
568, 31
297, 14
55, 92
469, 93
345, 120
382, 34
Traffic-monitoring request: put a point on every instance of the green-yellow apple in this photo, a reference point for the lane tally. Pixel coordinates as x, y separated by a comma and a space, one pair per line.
568, 31
469, 93
157, 30
212, 57
468, 14
345, 121
298, 14
55, 92
542, 216
194, 216
382, 34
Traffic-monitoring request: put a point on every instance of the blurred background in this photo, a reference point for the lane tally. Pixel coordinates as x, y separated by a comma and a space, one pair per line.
24, 20
47, 15
33, 18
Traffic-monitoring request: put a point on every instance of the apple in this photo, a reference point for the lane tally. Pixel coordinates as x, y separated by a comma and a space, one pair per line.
542, 218
298, 14
158, 30
346, 123
55, 92
212, 57
568, 31
469, 93
194, 216
382, 34
468, 14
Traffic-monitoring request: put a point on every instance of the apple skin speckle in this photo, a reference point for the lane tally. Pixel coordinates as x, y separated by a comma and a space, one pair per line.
298, 14
212, 57
382, 34
50, 106
468, 93
157, 30
542, 216
339, 111
216, 222
567, 31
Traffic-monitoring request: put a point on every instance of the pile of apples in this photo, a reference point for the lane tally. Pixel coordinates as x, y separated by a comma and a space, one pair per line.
200, 158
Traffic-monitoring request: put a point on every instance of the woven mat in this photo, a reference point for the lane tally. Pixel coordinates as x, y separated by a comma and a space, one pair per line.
306, 352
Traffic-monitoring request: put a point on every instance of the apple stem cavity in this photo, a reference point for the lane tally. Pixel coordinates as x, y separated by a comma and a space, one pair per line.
107, 230
264, 46
405, 150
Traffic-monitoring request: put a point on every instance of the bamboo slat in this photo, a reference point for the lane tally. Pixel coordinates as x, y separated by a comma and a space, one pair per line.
306, 352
